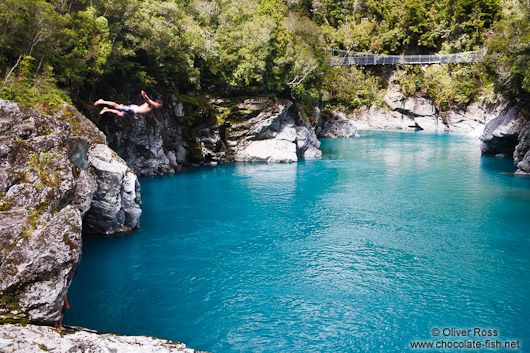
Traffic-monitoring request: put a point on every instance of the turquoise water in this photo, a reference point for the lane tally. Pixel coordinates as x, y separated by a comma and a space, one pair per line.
385, 238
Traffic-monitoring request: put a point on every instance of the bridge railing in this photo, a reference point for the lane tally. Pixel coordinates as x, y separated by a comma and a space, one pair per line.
345, 58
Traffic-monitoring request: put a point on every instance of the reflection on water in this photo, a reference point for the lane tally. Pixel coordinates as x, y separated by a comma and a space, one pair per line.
384, 238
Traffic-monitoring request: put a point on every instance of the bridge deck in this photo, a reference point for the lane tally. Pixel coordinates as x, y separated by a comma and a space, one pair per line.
345, 58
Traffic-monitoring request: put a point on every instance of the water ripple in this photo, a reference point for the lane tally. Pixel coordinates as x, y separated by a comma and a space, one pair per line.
365, 250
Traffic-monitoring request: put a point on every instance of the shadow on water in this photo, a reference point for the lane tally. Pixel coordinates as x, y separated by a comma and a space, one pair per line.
494, 164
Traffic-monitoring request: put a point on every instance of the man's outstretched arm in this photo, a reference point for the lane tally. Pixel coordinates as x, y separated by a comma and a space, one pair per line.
149, 101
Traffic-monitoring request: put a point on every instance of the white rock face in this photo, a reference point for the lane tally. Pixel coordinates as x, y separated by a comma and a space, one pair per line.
428, 123
272, 135
30, 339
419, 106
420, 113
271, 150
394, 99
501, 135
115, 204
472, 118
380, 118
336, 125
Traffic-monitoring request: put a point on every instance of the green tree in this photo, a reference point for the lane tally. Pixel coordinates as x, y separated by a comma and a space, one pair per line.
509, 51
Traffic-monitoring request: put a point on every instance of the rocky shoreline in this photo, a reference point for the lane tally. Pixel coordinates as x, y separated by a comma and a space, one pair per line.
202, 130
508, 136
30, 338
402, 112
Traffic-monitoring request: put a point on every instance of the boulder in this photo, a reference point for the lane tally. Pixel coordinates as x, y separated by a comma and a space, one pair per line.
272, 135
508, 135
270, 150
336, 125
31, 338
115, 204
501, 134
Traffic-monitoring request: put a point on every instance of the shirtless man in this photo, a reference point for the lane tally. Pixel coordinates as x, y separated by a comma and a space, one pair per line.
129, 110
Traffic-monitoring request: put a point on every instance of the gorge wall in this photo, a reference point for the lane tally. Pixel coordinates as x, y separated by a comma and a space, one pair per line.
403, 112
202, 130
58, 178
195, 130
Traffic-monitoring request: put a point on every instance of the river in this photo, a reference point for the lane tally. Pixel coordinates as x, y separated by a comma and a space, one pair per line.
386, 238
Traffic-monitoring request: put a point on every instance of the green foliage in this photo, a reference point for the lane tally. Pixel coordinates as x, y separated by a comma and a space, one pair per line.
412, 26
85, 48
258, 47
352, 87
508, 51
446, 85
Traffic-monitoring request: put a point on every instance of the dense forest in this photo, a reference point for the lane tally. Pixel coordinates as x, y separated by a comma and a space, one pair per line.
78, 50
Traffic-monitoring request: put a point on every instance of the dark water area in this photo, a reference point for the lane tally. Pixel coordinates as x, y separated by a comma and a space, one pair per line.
384, 239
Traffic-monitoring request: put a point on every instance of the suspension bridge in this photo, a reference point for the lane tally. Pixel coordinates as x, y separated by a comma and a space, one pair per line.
337, 57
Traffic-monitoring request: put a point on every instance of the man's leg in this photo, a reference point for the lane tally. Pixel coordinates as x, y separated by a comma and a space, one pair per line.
113, 111
59, 324
109, 103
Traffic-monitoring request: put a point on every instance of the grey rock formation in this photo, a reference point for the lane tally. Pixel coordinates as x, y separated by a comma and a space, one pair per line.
186, 131
213, 148
272, 135
150, 144
521, 154
115, 204
336, 125
380, 118
420, 113
501, 135
416, 106
49, 179
31, 338
508, 135
472, 118
416, 112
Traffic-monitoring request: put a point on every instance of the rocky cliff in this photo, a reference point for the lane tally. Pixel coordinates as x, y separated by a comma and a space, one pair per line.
203, 130
57, 179
420, 113
508, 135
334, 125
153, 144
275, 133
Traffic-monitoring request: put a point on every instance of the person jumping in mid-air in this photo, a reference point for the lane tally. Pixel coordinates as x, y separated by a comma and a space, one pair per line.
129, 110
